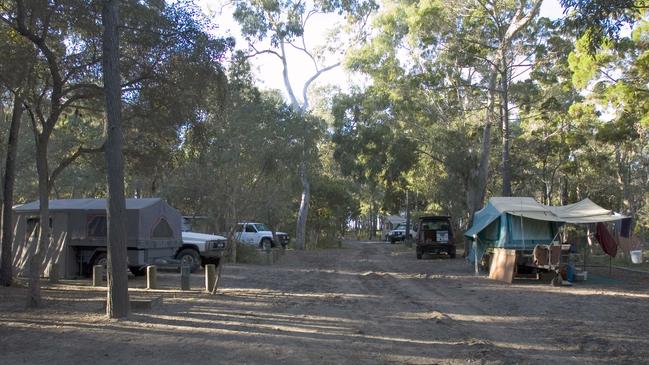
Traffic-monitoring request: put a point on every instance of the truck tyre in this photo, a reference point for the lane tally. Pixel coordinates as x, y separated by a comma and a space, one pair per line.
419, 255
189, 256
451, 254
265, 244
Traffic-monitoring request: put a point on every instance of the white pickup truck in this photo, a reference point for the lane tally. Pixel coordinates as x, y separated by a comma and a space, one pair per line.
258, 234
201, 249
398, 233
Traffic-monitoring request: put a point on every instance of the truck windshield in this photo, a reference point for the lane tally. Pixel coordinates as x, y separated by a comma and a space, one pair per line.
261, 227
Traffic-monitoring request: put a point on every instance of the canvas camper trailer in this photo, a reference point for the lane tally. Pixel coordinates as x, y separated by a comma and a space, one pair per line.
521, 223
78, 238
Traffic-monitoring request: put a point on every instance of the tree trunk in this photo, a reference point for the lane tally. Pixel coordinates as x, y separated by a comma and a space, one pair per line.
36, 258
117, 303
478, 183
407, 231
6, 266
300, 231
504, 92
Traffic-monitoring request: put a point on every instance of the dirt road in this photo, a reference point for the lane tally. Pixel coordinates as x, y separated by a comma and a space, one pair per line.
368, 303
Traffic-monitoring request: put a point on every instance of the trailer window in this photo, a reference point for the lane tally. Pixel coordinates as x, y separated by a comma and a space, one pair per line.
97, 226
163, 230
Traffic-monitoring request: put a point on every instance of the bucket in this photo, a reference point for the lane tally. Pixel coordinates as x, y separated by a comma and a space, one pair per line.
636, 256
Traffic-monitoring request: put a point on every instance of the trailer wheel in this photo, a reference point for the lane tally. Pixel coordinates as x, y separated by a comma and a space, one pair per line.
189, 256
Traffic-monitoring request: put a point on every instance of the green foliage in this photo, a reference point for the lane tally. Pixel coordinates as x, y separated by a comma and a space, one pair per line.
599, 20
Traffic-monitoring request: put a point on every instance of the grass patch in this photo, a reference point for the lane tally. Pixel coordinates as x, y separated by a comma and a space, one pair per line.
247, 254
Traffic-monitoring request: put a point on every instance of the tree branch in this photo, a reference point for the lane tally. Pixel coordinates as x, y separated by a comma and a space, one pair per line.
312, 79
70, 159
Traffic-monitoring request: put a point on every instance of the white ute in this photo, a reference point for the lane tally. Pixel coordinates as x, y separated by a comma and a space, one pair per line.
201, 249
258, 234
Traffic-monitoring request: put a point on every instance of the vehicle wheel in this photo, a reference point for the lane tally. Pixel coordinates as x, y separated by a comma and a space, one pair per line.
266, 244
138, 270
189, 256
100, 258
392, 241
451, 254
419, 255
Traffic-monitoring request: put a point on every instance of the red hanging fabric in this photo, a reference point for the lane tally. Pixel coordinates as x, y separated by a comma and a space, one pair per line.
609, 246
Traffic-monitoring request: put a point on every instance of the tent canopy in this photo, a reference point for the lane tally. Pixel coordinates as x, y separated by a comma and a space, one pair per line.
584, 211
85, 204
395, 219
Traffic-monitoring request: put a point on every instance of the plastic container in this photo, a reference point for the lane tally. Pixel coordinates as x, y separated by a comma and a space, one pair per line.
636, 256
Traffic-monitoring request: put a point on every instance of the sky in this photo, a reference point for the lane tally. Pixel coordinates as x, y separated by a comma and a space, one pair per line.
268, 69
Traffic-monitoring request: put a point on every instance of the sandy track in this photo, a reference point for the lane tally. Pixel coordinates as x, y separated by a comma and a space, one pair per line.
368, 303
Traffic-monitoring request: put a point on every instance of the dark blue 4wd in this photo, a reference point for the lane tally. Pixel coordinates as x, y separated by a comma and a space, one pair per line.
435, 236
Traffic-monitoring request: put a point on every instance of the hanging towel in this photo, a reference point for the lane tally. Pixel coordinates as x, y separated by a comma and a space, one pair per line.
609, 246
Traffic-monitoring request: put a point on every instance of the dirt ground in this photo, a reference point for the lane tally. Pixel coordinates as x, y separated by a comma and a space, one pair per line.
367, 303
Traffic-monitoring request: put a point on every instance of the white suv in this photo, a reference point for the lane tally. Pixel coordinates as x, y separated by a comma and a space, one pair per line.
258, 234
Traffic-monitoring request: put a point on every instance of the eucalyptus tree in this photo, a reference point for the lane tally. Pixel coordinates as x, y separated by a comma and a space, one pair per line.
617, 75
601, 20
236, 163
67, 41
369, 146
448, 67
117, 302
283, 24
14, 77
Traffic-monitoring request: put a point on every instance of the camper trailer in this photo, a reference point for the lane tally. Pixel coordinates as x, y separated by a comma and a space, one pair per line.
524, 225
78, 238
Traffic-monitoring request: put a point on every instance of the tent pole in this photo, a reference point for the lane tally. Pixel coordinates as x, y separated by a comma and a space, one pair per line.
475, 253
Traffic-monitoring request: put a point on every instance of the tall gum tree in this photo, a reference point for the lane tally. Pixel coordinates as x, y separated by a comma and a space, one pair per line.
15, 76
459, 61
117, 302
283, 25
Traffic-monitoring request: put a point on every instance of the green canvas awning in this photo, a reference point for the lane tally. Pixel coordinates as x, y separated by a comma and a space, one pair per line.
581, 212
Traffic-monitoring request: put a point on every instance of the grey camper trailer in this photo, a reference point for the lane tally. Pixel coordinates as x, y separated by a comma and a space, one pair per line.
78, 239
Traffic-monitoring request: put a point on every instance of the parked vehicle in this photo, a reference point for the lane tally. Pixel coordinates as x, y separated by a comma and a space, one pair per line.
201, 249
258, 234
435, 236
398, 233
78, 234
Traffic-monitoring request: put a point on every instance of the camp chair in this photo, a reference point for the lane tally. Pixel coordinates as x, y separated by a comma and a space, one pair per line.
549, 257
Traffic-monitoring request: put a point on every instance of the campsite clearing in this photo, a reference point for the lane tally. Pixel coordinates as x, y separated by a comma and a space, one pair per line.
368, 303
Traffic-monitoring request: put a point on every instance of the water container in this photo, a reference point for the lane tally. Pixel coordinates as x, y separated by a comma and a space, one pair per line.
636, 256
